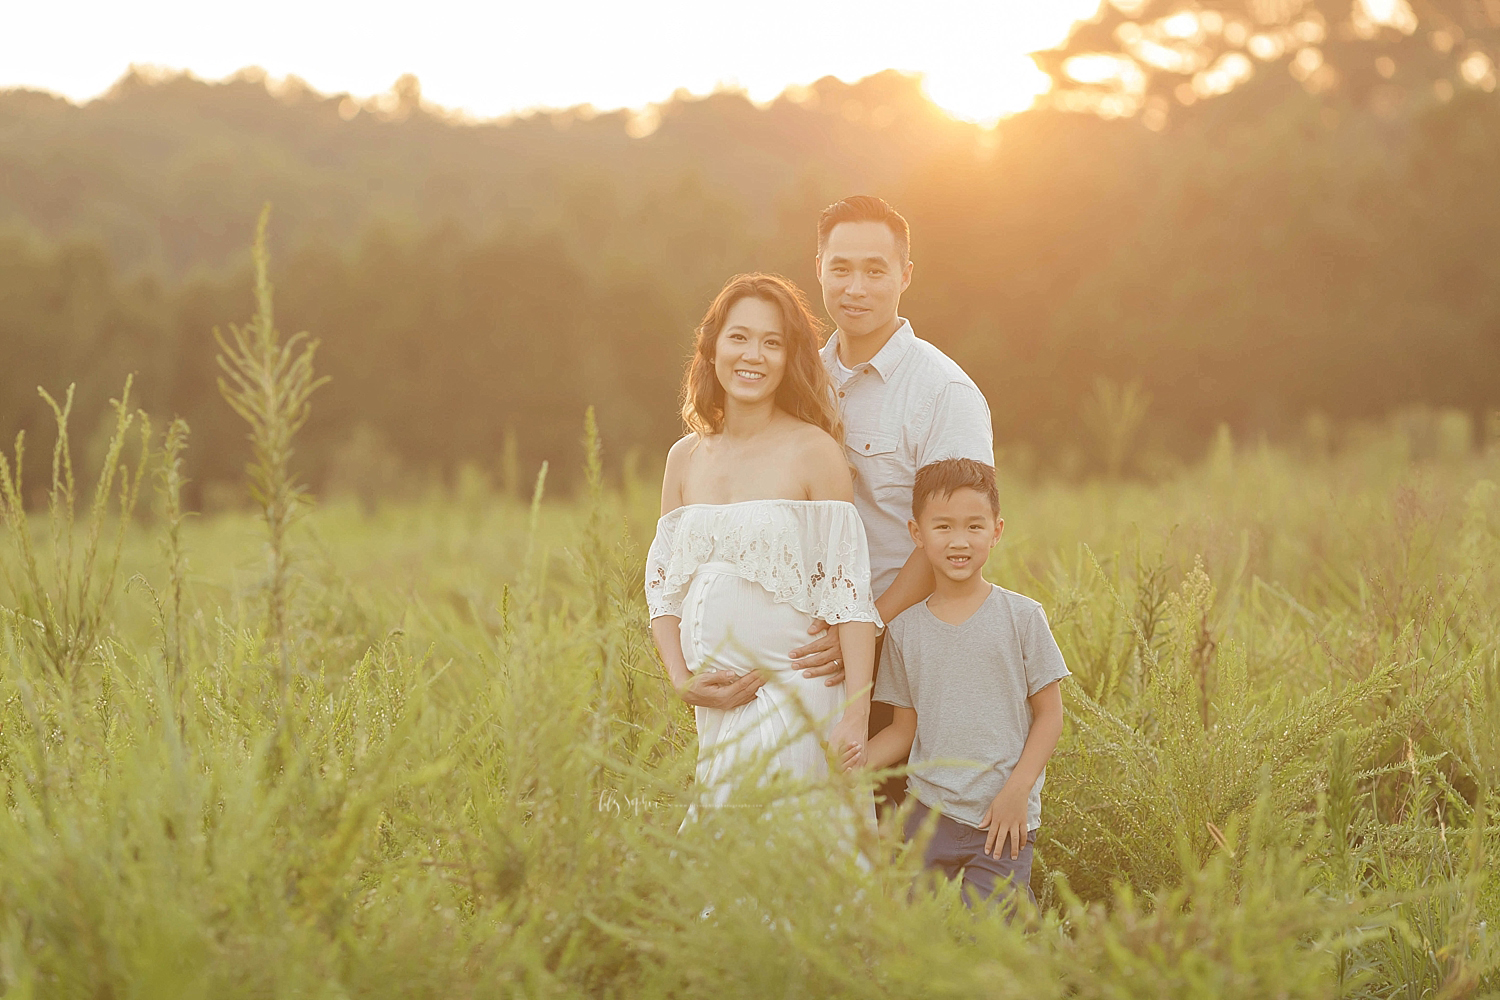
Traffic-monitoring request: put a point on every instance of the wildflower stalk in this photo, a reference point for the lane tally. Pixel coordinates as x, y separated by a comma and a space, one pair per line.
269, 384
170, 481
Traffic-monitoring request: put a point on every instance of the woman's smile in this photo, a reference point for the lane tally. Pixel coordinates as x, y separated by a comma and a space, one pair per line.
750, 354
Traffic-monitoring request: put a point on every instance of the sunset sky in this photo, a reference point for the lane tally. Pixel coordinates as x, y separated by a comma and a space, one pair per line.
489, 59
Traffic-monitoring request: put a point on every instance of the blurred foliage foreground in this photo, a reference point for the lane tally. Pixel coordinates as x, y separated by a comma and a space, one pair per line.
441, 759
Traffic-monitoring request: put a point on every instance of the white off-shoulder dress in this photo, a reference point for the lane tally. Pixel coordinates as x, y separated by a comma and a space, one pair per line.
747, 579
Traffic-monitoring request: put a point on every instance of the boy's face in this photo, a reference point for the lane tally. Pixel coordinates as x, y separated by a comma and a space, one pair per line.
956, 533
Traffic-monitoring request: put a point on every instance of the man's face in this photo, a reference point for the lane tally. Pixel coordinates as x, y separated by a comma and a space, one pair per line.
863, 276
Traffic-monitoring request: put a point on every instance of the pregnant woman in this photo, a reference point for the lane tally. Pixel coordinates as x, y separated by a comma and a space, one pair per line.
758, 537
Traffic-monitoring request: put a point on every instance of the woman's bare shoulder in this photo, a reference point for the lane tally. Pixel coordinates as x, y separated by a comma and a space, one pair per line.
823, 466
684, 445
679, 457
816, 444
682, 452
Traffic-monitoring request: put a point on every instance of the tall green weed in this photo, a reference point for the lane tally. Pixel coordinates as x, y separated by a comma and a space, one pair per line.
477, 785
60, 598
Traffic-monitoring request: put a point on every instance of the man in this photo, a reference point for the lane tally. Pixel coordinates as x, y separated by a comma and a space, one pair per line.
905, 405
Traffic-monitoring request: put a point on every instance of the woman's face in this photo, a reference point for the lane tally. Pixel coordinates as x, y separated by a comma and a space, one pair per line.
750, 354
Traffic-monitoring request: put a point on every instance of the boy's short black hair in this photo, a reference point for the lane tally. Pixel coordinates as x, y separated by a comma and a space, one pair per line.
943, 478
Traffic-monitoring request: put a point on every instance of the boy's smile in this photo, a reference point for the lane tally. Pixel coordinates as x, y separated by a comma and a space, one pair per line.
956, 532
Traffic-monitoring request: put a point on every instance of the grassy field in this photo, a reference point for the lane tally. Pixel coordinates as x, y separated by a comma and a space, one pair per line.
452, 768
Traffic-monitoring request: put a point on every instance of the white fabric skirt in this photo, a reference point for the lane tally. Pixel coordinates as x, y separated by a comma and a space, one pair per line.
730, 623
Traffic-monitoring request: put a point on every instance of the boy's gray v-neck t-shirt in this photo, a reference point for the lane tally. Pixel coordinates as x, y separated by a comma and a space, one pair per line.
969, 684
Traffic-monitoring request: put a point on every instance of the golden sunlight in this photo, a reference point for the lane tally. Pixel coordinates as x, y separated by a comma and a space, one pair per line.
978, 69
973, 54
985, 95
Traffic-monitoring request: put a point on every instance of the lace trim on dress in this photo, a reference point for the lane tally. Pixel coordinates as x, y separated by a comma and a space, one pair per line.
811, 554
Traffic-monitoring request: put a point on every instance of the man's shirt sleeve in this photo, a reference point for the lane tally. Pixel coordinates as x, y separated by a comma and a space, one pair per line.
959, 428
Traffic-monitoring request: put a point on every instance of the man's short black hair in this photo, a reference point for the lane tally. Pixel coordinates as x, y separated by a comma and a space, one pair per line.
944, 478
865, 208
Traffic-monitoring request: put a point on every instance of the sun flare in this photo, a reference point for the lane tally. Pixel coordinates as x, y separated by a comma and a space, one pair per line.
985, 95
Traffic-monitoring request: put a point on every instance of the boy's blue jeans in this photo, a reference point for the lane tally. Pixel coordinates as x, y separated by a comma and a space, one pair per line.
957, 849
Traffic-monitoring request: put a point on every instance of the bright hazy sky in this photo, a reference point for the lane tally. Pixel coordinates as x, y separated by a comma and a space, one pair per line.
491, 58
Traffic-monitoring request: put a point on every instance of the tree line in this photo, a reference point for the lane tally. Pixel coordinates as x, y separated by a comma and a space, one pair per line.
474, 286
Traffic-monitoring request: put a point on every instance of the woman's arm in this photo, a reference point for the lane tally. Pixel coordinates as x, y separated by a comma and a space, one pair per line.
666, 632
857, 640
853, 643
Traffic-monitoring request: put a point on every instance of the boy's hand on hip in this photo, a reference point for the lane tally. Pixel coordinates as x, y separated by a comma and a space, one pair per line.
1006, 818
822, 657
721, 689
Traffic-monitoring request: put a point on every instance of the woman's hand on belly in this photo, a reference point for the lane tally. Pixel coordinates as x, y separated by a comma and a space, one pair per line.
721, 689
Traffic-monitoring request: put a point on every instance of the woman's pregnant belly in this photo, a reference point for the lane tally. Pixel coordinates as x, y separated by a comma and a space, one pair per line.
729, 623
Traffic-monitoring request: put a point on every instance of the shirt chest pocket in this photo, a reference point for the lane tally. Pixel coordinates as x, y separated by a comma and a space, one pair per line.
878, 457
867, 444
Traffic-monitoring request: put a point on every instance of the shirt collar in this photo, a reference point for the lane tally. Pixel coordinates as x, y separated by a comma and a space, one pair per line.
887, 359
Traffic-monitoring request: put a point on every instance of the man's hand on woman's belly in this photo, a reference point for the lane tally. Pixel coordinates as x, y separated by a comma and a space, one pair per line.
821, 657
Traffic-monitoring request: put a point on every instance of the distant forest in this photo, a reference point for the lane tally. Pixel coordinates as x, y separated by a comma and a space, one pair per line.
1262, 260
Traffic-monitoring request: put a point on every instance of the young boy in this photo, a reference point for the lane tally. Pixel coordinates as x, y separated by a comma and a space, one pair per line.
972, 675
